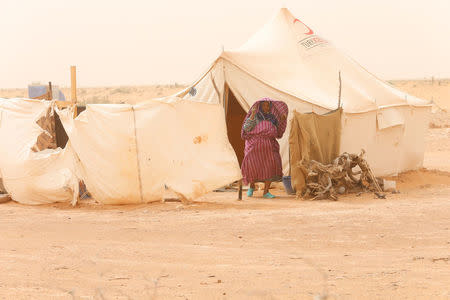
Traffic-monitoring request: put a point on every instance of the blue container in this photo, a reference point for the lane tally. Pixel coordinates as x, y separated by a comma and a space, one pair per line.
287, 185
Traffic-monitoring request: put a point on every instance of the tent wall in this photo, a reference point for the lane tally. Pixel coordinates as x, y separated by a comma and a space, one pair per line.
178, 144
392, 149
359, 131
413, 141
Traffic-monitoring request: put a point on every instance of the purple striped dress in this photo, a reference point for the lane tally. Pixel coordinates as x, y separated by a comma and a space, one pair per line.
262, 160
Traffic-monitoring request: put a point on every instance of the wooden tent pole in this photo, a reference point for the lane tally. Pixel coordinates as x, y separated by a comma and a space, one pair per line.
240, 190
50, 91
73, 88
340, 90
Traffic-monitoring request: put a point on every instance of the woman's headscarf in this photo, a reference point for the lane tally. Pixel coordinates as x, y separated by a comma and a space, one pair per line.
277, 110
262, 116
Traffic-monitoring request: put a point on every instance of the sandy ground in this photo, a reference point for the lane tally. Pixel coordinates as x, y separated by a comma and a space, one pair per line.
221, 248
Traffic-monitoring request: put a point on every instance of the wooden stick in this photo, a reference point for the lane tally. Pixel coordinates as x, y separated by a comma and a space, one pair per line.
240, 190
73, 84
50, 91
73, 88
340, 90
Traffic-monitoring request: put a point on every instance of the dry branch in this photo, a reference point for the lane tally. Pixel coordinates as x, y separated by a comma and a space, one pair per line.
327, 181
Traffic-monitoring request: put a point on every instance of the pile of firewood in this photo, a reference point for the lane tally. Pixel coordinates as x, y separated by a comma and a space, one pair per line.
327, 181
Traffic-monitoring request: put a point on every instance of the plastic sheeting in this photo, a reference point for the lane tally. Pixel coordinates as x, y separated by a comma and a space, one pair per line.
35, 91
32, 177
128, 154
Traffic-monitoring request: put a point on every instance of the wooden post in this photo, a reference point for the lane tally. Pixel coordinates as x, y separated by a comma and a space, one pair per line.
340, 90
240, 190
73, 99
50, 91
73, 88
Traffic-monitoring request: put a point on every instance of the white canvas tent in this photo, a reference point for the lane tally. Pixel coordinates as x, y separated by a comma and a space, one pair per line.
287, 61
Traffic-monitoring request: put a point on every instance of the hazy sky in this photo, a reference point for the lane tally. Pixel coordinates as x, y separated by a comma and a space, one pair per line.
137, 42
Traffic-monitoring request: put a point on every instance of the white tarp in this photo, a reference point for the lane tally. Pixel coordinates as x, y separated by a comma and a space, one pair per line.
128, 154
32, 177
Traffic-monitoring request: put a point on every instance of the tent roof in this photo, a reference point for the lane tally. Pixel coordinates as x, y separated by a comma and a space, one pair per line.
288, 55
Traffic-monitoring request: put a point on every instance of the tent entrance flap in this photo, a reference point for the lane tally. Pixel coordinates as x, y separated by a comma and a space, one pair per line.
235, 116
313, 137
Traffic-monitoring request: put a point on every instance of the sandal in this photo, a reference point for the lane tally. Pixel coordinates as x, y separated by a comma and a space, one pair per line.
268, 195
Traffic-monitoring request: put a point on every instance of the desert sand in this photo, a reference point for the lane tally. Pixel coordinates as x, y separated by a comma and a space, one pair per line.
359, 247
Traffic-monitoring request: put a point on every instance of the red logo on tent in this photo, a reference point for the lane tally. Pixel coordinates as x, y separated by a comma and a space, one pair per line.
309, 29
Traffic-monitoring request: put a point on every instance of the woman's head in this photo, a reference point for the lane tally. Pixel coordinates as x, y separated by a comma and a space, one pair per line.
265, 107
265, 113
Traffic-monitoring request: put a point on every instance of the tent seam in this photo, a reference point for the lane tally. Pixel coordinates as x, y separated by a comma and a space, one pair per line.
137, 155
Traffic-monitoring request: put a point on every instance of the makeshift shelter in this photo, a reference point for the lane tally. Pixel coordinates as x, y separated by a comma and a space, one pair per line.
131, 153
123, 153
33, 172
286, 60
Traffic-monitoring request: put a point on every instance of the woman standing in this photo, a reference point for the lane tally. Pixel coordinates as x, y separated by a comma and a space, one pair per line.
264, 123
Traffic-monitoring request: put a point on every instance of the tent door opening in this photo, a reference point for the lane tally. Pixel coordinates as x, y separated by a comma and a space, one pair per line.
235, 115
